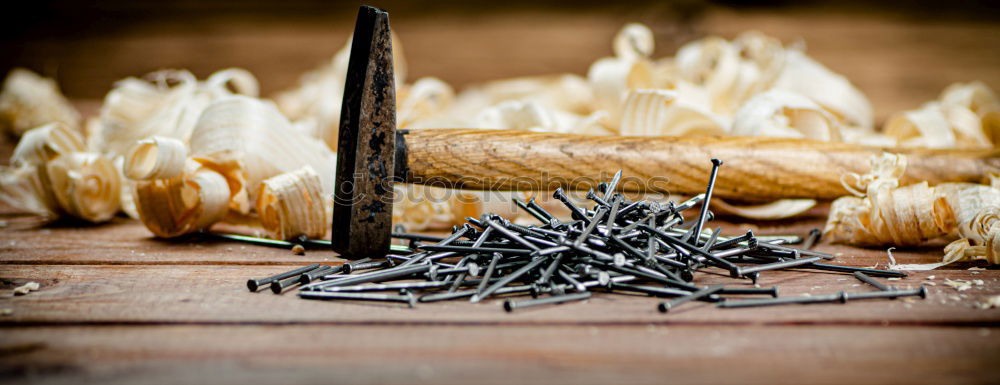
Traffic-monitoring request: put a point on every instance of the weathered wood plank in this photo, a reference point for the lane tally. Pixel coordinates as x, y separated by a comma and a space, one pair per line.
300, 354
218, 294
125, 241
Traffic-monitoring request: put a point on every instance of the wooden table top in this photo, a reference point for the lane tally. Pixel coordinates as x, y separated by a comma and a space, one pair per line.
118, 306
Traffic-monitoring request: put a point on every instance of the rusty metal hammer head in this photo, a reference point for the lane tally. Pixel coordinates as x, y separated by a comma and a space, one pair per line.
362, 208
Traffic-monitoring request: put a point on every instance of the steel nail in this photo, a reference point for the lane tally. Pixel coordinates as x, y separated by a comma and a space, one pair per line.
743, 271
524, 206
278, 286
849, 269
476, 250
708, 199
613, 185
600, 201
541, 210
871, 281
254, 284
771, 291
651, 290
416, 237
921, 292
321, 271
578, 213
665, 306
388, 286
408, 298
577, 285
507, 279
839, 297
375, 276
510, 234
509, 305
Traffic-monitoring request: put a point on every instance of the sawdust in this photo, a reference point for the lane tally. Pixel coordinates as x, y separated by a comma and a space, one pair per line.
963, 285
990, 302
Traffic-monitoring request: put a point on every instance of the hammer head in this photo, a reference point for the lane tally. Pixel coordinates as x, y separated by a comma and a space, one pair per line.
362, 205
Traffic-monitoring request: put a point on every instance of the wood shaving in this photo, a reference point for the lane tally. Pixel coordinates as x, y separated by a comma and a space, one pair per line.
27, 288
887, 214
51, 175
243, 155
784, 208
291, 205
192, 201
86, 185
662, 112
781, 113
966, 115
28, 100
167, 104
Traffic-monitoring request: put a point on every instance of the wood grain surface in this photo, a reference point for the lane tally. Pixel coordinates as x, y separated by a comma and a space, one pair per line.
119, 306
495, 354
755, 169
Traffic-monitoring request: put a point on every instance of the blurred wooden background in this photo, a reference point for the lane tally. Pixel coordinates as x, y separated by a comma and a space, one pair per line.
900, 53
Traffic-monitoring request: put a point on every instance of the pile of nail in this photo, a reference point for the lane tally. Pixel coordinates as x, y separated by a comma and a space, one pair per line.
614, 246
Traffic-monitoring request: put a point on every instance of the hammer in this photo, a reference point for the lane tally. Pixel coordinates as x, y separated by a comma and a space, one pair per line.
372, 155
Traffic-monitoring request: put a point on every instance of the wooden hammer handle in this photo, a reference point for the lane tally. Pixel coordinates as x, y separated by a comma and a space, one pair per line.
755, 169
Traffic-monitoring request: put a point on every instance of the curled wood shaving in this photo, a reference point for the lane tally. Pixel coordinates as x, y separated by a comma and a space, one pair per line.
532, 116
168, 104
155, 158
243, 155
43, 144
784, 114
247, 141
28, 100
27, 188
183, 204
964, 116
86, 184
807, 77
612, 77
292, 205
731, 72
51, 175
662, 112
566, 92
887, 214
